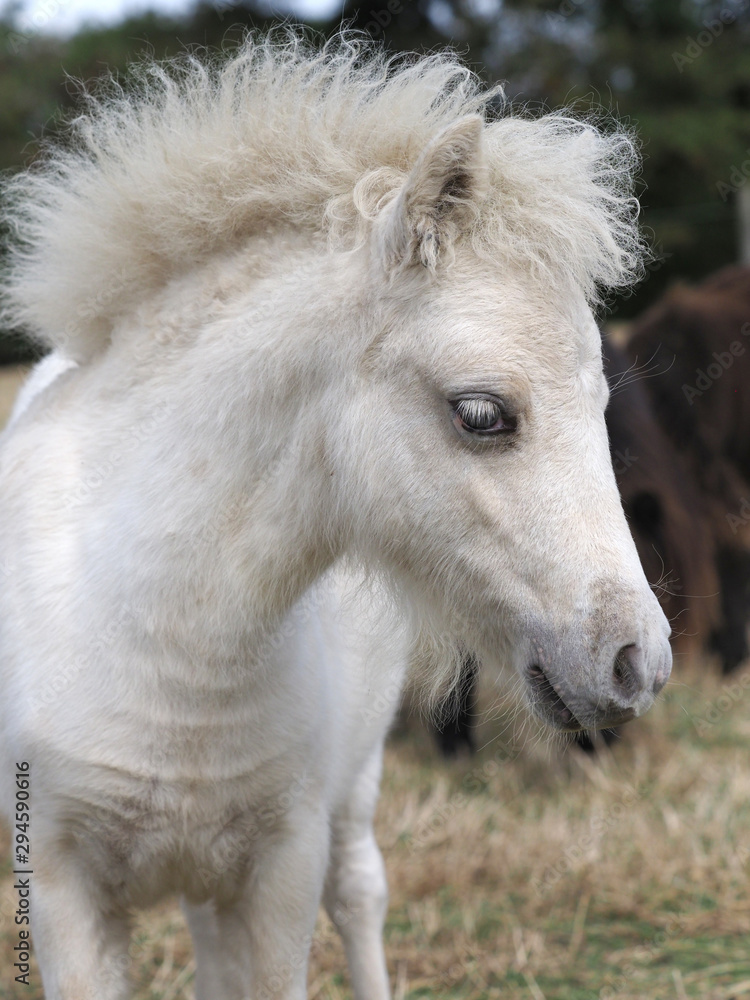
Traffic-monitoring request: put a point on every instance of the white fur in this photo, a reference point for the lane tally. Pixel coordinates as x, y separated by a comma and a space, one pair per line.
224, 529
152, 185
45, 372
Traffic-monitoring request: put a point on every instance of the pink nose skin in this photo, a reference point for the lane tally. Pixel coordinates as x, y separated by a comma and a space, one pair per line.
660, 680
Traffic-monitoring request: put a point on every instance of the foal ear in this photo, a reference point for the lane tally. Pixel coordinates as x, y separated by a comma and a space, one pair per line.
440, 198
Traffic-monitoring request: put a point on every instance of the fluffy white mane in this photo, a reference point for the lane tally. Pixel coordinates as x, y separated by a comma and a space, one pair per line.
197, 156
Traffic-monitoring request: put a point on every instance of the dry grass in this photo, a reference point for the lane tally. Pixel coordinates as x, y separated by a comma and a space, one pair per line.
543, 874
536, 873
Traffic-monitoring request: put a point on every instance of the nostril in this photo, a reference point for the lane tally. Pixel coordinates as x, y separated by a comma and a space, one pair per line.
625, 671
619, 670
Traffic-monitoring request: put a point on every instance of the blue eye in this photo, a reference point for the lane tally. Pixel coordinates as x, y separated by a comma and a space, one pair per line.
482, 415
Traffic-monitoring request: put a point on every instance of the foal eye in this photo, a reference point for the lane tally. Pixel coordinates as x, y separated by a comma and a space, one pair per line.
482, 415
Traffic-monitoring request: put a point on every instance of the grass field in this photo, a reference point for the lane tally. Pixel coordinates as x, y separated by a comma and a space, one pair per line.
536, 872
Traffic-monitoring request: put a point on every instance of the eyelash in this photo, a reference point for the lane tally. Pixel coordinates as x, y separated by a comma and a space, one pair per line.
482, 416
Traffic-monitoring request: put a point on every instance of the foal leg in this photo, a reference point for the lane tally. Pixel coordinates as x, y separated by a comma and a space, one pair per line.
258, 947
81, 942
222, 963
356, 893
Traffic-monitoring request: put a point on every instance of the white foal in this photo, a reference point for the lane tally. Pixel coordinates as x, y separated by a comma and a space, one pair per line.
330, 391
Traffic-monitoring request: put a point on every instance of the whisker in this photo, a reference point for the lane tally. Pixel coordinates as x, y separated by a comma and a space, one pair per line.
636, 372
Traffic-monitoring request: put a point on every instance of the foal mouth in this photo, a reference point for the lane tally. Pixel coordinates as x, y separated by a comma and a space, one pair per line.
550, 703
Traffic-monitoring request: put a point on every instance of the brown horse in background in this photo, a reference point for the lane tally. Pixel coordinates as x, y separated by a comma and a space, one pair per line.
668, 515
695, 343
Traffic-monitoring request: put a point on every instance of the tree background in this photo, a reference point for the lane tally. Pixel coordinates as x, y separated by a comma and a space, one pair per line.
678, 72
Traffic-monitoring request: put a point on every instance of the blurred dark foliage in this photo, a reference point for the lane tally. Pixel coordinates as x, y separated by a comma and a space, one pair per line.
678, 72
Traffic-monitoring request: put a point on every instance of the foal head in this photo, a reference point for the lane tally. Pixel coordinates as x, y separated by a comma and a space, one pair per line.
476, 428
437, 356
